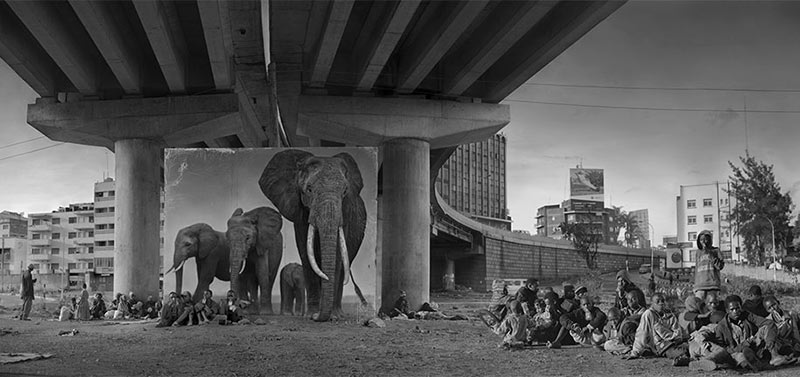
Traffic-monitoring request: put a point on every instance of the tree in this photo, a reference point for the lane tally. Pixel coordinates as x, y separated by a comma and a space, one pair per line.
615, 224
584, 240
631, 226
758, 198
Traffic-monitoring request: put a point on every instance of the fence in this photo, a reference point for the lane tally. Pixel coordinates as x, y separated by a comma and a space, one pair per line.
761, 273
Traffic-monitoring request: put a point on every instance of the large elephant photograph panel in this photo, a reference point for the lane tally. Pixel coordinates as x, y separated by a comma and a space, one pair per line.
233, 218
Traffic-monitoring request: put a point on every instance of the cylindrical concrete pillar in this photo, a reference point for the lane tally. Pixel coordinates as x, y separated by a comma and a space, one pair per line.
406, 221
449, 278
137, 218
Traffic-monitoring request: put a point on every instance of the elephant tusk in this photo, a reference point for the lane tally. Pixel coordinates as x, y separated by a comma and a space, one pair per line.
310, 251
179, 266
345, 256
244, 263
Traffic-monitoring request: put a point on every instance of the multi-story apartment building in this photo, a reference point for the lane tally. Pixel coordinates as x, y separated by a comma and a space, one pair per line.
706, 207
642, 217
78, 240
13, 245
548, 220
473, 181
13, 224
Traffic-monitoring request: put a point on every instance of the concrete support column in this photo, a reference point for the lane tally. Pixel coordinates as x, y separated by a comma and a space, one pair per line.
406, 221
137, 217
449, 278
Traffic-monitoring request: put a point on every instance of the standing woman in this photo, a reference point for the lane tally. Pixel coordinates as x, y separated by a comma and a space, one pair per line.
83, 306
708, 265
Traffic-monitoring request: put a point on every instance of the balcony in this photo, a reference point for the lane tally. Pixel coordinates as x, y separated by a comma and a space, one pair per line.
40, 242
40, 228
84, 226
39, 257
84, 240
88, 257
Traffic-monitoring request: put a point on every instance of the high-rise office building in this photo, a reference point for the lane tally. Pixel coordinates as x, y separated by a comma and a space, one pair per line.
548, 221
473, 181
642, 217
706, 207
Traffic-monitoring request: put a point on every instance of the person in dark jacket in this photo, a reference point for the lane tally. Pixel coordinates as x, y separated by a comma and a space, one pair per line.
755, 304
27, 293
527, 296
745, 336
585, 326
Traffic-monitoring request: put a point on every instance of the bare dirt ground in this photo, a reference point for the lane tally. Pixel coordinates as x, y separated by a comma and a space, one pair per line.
294, 346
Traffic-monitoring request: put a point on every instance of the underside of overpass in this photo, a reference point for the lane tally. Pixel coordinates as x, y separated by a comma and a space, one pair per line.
414, 78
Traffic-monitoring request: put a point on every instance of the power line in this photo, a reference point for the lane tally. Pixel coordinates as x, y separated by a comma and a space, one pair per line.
31, 151
707, 89
652, 108
21, 142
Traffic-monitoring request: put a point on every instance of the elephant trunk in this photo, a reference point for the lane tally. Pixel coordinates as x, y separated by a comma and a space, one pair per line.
179, 279
237, 266
328, 225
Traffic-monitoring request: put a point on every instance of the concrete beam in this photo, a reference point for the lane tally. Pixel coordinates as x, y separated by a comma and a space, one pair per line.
431, 41
112, 41
328, 45
378, 40
160, 23
492, 41
21, 52
141, 118
215, 18
210, 130
372, 121
46, 24
546, 42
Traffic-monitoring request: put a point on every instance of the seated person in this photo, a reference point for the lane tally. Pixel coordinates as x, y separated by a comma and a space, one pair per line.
624, 285
119, 308
631, 314
694, 315
713, 304
188, 316
703, 346
788, 325
527, 296
67, 311
514, 326
98, 308
149, 309
660, 334
755, 302
544, 322
568, 302
584, 325
400, 308
171, 311
611, 331
498, 304
581, 291
233, 307
745, 336
207, 308
134, 305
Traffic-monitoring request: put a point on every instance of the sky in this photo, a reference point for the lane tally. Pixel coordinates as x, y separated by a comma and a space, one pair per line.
697, 66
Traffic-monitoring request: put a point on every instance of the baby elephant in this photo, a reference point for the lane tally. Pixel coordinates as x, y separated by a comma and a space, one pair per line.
293, 290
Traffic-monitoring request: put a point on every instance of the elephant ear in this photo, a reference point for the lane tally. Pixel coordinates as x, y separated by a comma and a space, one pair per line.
279, 183
354, 213
207, 240
268, 222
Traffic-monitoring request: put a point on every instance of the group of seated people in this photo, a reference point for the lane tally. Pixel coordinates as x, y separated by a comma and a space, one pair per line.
122, 307
182, 310
709, 334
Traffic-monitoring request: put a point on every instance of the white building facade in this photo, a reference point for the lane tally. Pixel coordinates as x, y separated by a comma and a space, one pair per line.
706, 207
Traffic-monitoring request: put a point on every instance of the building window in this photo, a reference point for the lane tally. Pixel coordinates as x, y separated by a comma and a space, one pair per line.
36, 251
691, 220
36, 236
91, 249
56, 236
707, 202
708, 219
90, 265
72, 266
692, 236
72, 250
111, 193
54, 266
691, 203
55, 251
56, 221
72, 235
35, 222
73, 220
111, 209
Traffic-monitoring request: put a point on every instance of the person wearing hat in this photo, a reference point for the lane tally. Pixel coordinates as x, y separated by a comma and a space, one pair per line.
580, 292
709, 263
27, 293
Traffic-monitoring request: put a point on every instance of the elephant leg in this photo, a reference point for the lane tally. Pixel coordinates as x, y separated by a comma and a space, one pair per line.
300, 299
205, 275
263, 283
286, 294
313, 282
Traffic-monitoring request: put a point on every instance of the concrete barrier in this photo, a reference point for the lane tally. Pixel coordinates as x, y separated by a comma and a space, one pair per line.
761, 273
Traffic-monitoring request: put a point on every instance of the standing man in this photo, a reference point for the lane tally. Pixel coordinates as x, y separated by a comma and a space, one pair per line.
27, 293
709, 263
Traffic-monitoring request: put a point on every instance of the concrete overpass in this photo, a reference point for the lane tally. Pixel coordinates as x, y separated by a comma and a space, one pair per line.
415, 78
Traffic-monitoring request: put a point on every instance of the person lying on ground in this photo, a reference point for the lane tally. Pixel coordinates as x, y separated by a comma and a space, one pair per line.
787, 324
98, 308
527, 296
514, 326
660, 334
544, 322
746, 336
755, 302
694, 316
585, 326
611, 331
568, 302
171, 311
624, 285
207, 308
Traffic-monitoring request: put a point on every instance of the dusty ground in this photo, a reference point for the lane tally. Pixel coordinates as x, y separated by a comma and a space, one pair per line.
292, 346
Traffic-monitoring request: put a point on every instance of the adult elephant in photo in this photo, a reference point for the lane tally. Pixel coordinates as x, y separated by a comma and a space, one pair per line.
321, 196
256, 247
293, 290
209, 247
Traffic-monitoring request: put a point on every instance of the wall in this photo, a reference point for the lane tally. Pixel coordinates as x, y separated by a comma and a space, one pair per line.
760, 273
